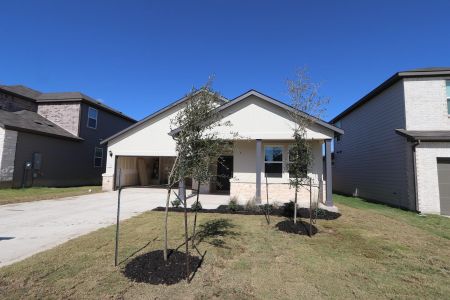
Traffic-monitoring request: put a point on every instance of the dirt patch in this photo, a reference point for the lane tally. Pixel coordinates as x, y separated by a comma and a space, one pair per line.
151, 267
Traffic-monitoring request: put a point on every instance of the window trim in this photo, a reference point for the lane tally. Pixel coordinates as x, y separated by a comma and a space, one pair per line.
96, 157
274, 162
96, 117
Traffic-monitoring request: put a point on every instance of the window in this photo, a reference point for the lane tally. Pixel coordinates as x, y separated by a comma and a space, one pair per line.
98, 157
304, 170
448, 96
338, 125
273, 161
92, 118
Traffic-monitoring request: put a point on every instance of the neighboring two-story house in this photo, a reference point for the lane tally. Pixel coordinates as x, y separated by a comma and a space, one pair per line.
396, 147
53, 139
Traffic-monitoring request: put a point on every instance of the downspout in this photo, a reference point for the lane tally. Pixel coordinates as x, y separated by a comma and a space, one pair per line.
416, 190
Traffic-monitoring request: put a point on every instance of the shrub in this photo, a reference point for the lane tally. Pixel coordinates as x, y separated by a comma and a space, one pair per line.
267, 208
233, 204
277, 204
176, 203
251, 205
288, 209
196, 206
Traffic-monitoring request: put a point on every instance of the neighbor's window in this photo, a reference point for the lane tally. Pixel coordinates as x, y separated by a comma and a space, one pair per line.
98, 157
448, 96
92, 118
273, 161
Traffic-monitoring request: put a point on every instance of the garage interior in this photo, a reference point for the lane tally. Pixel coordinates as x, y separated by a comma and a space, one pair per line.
153, 171
144, 171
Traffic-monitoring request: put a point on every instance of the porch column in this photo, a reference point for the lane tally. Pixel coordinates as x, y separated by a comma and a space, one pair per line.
329, 183
258, 171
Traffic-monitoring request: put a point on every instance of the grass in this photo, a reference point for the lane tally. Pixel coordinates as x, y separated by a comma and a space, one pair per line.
433, 224
8, 196
369, 252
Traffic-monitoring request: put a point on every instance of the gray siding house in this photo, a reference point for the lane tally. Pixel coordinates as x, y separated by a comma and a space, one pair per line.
396, 147
53, 139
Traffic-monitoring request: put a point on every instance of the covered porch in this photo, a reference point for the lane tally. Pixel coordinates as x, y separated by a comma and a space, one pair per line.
261, 172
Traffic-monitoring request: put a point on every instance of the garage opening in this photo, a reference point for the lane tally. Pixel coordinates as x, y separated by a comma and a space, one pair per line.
144, 171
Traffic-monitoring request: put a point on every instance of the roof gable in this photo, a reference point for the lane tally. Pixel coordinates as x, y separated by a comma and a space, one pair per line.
152, 116
280, 107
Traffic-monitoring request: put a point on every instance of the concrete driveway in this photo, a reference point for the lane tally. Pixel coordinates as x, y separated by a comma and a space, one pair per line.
29, 228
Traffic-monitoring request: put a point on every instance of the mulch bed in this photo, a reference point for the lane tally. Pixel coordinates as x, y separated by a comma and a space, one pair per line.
301, 228
223, 209
151, 267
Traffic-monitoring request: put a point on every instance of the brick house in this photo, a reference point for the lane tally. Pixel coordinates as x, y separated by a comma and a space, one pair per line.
53, 139
396, 148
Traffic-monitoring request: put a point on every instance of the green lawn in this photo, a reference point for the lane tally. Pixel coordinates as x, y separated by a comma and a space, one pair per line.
371, 251
43, 193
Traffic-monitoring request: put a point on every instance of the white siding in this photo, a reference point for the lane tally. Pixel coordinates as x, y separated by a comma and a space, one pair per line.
427, 175
371, 158
148, 139
254, 118
426, 104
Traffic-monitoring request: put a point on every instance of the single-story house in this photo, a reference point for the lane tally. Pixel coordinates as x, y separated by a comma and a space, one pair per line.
396, 149
143, 154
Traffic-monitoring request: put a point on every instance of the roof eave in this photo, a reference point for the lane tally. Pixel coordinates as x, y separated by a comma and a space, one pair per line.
421, 138
74, 138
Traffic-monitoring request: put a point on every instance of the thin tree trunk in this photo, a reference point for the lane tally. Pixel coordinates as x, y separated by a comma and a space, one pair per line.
267, 201
295, 206
310, 207
186, 240
195, 215
166, 214
166, 217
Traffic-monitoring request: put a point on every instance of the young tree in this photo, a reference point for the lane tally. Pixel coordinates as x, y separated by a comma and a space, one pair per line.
197, 143
308, 105
170, 184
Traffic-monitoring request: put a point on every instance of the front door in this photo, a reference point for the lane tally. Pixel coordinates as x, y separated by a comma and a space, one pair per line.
224, 173
443, 166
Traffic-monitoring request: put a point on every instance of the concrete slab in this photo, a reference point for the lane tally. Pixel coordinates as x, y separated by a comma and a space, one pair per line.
32, 227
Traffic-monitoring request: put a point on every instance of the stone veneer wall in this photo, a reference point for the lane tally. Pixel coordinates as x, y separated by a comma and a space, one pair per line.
8, 140
12, 103
278, 192
65, 115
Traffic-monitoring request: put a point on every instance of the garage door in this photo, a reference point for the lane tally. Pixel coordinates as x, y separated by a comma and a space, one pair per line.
444, 184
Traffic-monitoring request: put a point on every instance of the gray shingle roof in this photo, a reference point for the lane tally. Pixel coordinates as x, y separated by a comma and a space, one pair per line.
425, 135
40, 97
77, 96
22, 91
29, 121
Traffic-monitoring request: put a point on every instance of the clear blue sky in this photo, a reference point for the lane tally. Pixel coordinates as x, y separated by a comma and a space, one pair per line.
138, 56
